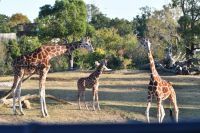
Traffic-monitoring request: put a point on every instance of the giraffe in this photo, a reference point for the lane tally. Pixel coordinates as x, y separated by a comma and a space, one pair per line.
92, 81
37, 62
158, 88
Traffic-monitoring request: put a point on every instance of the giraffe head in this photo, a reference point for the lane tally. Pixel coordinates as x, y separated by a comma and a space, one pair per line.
146, 44
86, 43
102, 66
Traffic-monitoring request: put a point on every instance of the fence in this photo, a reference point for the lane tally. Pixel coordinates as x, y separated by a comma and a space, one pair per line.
7, 36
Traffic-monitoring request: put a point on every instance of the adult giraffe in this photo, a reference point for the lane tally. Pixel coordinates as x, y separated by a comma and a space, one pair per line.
37, 62
159, 88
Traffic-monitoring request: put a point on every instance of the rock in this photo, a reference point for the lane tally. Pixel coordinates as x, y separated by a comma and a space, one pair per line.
26, 104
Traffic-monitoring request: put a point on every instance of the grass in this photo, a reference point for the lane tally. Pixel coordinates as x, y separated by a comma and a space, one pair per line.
122, 99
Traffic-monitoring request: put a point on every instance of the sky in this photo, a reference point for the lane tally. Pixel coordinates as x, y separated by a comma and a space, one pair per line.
126, 9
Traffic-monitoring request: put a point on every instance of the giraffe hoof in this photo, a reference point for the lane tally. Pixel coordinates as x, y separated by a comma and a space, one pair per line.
15, 113
22, 113
45, 116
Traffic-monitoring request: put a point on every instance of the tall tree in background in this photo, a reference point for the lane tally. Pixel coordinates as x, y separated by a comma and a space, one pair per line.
189, 23
100, 21
18, 18
162, 30
124, 26
66, 19
140, 22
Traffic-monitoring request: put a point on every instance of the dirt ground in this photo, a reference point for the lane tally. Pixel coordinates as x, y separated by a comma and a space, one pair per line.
122, 99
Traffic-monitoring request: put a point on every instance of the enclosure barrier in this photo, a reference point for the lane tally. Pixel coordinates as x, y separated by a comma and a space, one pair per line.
103, 128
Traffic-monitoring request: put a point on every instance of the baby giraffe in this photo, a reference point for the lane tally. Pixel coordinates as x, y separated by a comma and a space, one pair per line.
92, 81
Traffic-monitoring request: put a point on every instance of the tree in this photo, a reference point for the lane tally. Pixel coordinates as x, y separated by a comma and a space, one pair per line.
140, 22
162, 27
92, 11
108, 39
2, 58
28, 44
4, 27
66, 19
96, 18
189, 23
124, 26
18, 18
100, 21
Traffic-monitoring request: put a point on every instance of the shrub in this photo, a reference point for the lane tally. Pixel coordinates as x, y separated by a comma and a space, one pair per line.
85, 60
28, 44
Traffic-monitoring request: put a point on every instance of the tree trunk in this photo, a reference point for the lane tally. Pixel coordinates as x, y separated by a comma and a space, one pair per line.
71, 61
9, 102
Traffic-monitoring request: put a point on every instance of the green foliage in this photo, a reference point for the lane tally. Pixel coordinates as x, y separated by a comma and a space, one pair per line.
162, 33
107, 38
4, 27
114, 62
140, 22
90, 31
100, 21
59, 64
189, 23
13, 49
124, 26
85, 60
2, 58
8, 51
18, 18
28, 44
66, 18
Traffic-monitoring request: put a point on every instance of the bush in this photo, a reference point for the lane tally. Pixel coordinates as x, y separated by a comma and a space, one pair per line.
59, 64
85, 60
114, 62
28, 44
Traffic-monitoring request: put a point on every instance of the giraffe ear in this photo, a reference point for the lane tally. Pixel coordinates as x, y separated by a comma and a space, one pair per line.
97, 63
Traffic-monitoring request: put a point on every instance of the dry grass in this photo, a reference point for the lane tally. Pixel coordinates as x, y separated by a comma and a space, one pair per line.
122, 98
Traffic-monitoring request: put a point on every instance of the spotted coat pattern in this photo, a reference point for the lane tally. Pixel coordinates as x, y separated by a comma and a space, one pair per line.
92, 81
37, 62
159, 88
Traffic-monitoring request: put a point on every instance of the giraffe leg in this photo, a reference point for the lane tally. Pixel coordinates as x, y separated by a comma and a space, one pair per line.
45, 106
14, 87
159, 109
162, 113
174, 102
79, 99
93, 99
42, 93
18, 91
84, 100
97, 99
149, 100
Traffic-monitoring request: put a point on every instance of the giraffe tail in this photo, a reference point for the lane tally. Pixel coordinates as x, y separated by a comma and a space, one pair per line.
171, 113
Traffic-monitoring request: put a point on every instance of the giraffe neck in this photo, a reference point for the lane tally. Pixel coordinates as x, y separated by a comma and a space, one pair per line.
96, 74
61, 49
152, 64
57, 50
